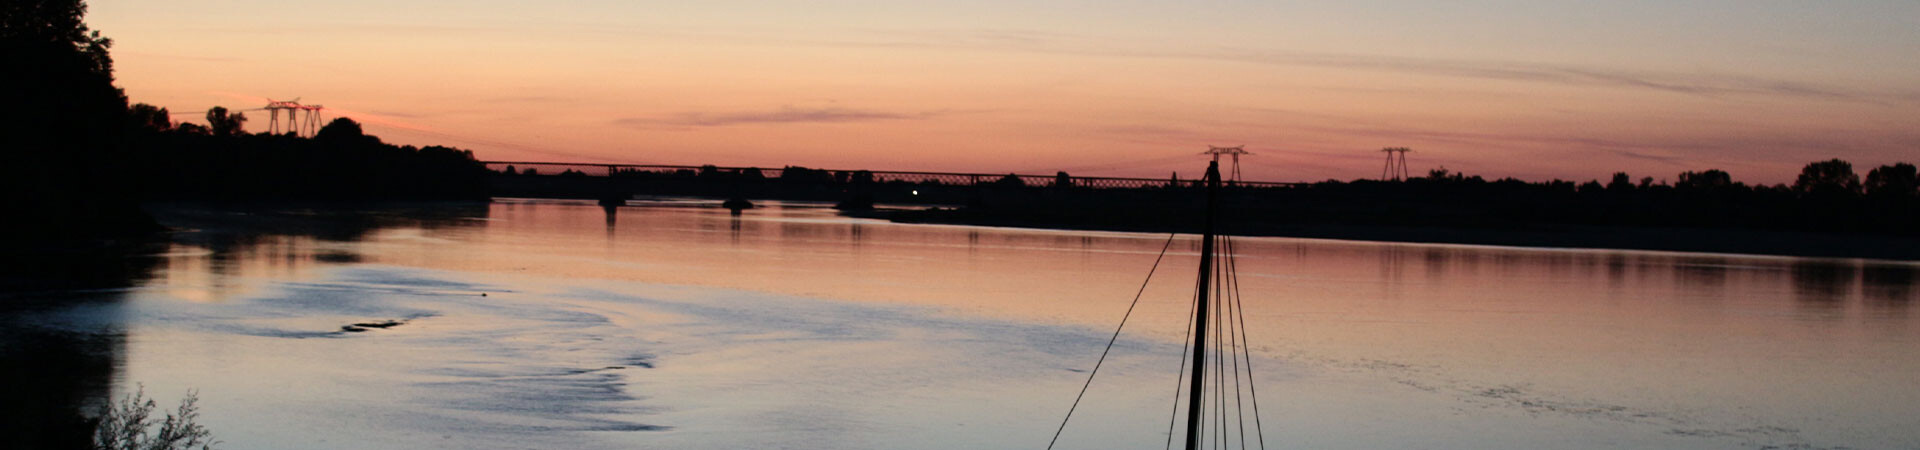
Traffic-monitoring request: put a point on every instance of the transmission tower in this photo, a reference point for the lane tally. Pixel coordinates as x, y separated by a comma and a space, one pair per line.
303, 128
1234, 151
312, 126
1396, 169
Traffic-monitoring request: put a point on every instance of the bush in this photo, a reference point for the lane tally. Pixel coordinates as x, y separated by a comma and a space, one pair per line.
128, 425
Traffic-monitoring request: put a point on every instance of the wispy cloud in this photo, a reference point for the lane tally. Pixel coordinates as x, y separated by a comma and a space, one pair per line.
219, 59
1704, 84
403, 115
783, 115
1636, 150
1699, 84
530, 99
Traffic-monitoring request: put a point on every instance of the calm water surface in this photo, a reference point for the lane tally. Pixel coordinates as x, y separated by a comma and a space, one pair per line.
670, 324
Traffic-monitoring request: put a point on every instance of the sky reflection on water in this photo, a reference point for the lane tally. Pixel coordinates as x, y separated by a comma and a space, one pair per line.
680, 325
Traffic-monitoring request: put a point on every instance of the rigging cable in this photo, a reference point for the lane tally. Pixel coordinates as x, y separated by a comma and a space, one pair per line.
1178, 380
1245, 353
1110, 341
1219, 352
1234, 346
1220, 404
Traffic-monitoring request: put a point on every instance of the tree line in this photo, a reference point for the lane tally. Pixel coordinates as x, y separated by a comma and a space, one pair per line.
83, 158
1827, 196
220, 161
1834, 177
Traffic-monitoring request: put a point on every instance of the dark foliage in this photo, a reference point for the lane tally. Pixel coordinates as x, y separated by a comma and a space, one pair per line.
1831, 177
1706, 179
225, 124
1898, 180
1827, 198
93, 158
339, 163
145, 117
1707, 199
62, 117
129, 424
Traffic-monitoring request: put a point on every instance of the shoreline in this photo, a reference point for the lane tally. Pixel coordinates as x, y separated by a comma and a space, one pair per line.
1731, 241
1544, 236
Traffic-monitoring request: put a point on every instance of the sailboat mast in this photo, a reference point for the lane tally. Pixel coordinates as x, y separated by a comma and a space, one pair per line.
1200, 310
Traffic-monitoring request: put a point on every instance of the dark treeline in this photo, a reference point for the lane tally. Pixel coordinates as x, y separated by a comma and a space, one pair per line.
81, 160
793, 183
340, 162
1828, 196
1830, 210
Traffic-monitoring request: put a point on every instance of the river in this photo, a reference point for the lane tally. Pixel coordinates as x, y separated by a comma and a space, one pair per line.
674, 324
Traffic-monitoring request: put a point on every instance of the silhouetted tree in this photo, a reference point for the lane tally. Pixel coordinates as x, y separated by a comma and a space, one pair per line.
224, 123
1591, 186
57, 79
145, 117
1621, 182
61, 116
804, 176
1444, 175
1010, 180
1898, 180
340, 129
1828, 177
94, 158
192, 129
1708, 179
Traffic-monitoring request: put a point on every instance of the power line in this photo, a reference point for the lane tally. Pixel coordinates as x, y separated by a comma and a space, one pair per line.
1110, 341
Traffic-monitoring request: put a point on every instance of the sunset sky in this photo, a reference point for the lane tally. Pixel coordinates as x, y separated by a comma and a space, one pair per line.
1531, 89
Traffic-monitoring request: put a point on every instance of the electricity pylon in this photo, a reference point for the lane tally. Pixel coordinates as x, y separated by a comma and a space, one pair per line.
1396, 169
298, 127
1234, 151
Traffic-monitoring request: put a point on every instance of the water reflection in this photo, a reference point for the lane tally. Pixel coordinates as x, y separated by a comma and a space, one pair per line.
61, 342
1616, 271
613, 217
1393, 264
56, 371
733, 225
216, 249
1605, 325
1823, 285
1889, 285
1436, 261
1704, 276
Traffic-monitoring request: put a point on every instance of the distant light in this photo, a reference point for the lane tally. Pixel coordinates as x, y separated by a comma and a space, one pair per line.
916, 192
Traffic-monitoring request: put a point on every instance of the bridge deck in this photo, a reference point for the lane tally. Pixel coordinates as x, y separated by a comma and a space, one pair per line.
941, 178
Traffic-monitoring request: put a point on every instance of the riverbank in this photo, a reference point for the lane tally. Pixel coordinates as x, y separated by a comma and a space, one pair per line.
1733, 241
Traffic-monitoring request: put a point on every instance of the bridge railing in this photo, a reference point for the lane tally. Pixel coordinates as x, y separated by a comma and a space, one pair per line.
844, 176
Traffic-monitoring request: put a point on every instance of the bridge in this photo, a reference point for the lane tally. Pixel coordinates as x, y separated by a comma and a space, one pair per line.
841, 176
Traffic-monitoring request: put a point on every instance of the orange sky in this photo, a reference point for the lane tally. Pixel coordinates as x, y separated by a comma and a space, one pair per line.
1528, 89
